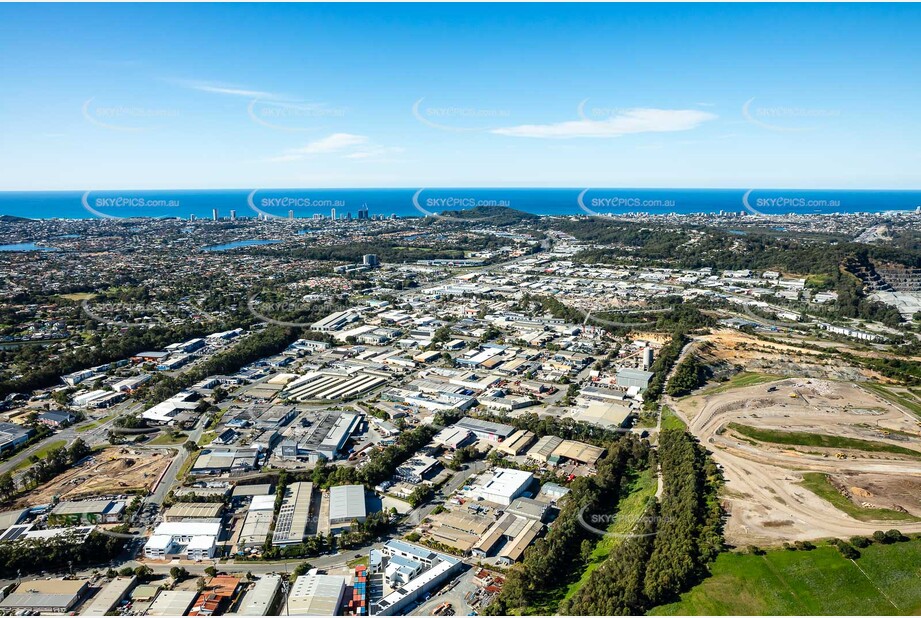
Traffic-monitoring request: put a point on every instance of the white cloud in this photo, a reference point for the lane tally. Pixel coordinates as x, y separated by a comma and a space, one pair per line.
640, 120
228, 89
331, 143
347, 145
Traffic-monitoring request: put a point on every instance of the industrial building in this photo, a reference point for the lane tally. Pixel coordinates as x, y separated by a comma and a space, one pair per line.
294, 515
110, 596
185, 511
346, 504
87, 512
316, 595
409, 573
501, 485
516, 443
172, 603
325, 440
258, 522
195, 540
636, 378
454, 437
485, 430
508, 537
334, 384
12, 436
46, 595
262, 598
223, 460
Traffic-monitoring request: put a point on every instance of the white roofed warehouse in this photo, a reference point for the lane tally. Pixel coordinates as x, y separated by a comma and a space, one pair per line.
346, 504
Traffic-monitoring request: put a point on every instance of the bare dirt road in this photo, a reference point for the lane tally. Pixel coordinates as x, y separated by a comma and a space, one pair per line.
763, 495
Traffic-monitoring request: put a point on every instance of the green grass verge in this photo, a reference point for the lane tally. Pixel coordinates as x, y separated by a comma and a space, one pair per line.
95, 424
893, 397
670, 420
741, 380
801, 438
165, 439
629, 510
40, 453
885, 580
206, 438
187, 465
819, 484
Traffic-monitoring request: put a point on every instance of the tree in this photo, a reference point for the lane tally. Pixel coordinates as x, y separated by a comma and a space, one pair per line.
200, 584
301, 569
7, 485
190, 446
143, 572
178, 573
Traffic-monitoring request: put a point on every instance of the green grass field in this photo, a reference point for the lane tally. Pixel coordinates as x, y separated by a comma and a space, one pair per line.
741, 380
818, 483
908, 402
670, 420
801, 438
40, 453
629, 511
166, 439
885, 580
95, 424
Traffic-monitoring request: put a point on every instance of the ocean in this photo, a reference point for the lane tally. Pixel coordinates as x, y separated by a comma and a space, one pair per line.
305, 203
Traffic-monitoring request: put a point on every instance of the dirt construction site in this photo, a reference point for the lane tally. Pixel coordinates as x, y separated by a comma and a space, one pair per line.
864, 443
114, 471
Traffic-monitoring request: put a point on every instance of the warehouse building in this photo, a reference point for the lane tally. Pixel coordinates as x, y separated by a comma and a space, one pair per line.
346, 504
294, 515
633, 378
185, 511
410, 572
516, 443
110, 596
333, 385
262, 598
454, 437
87, 512
46, 595
501, 485
196, 540
485, 430
316, 595
172, 603
12, 436
258, 522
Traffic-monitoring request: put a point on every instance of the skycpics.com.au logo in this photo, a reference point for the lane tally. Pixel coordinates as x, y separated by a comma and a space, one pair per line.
786, 119
124, 206
612, 203
788, 203
291, 116
290, 205
459, 119
275, 312
436, 206
609, 524
128, 118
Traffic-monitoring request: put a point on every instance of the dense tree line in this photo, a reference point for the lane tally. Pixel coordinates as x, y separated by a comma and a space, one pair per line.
565, 428
44, 469
271, 340
616, 587
554, 559
672, 543
44, 370
689, 534
668, 355
689, 375
32, 555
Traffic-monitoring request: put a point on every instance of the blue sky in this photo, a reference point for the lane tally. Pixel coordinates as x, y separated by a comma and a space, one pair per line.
241, 96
